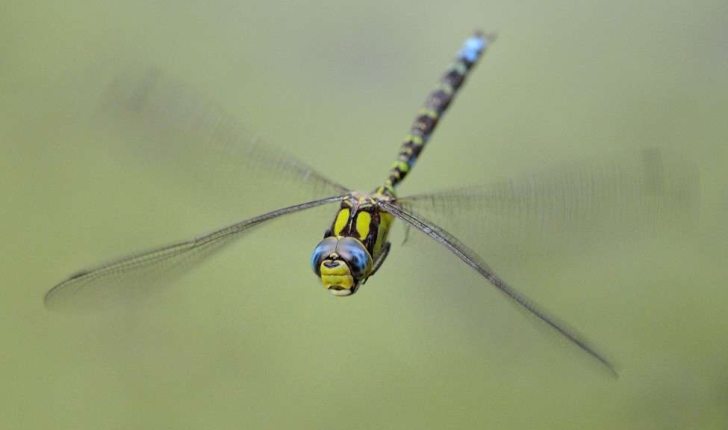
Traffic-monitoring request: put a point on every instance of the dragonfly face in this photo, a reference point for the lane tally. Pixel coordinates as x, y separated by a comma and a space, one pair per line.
342, 263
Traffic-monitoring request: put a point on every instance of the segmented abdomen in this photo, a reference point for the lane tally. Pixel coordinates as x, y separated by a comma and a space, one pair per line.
435, 105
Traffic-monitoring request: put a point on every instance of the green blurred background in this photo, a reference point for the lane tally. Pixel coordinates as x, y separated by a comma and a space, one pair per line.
251, 340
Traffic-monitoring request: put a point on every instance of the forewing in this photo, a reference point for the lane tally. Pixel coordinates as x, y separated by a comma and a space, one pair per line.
127, 278
469, 257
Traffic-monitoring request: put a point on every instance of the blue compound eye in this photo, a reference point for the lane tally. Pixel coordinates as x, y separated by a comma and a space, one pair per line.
356, 256
322, 250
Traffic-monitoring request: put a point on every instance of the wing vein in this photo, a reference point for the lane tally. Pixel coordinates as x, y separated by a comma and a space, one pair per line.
146, 264
470, 258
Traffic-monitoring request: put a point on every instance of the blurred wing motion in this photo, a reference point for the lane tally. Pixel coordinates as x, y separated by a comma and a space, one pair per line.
469, 257
115, 282
603, 198
182, 122
607, 197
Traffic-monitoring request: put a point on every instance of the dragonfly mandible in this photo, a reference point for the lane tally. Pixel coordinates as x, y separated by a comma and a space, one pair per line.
356, 244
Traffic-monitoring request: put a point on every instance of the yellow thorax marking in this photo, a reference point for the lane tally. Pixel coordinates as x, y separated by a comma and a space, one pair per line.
341, 220
363, 221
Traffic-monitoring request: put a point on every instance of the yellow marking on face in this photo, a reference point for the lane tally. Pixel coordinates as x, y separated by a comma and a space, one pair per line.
337, 276
338, 270
363, 221
341, 219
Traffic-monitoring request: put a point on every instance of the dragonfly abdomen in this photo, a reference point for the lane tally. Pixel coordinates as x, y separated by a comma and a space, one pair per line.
435, 106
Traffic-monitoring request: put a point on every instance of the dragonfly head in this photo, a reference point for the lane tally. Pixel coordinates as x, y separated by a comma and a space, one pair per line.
342, 263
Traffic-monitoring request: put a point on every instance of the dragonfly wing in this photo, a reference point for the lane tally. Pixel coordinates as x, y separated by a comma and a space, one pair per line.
182, 122
121, 280
606, 197
472, 259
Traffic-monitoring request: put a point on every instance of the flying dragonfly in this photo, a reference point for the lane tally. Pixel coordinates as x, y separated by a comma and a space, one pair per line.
355, 245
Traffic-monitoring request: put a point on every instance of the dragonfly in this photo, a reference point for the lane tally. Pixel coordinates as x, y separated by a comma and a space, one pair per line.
355, 245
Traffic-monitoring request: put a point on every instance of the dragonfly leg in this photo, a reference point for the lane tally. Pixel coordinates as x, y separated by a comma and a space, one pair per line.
380, 258
406, 234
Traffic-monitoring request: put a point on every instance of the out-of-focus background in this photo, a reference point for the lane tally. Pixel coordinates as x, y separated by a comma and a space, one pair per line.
250, 339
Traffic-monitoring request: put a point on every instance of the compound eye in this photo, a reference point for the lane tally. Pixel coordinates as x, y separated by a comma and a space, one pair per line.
325, 248
356, 256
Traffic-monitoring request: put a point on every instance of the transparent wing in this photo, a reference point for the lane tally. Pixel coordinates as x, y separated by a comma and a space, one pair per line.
123, 279
472, 259
597, 198
183, 129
